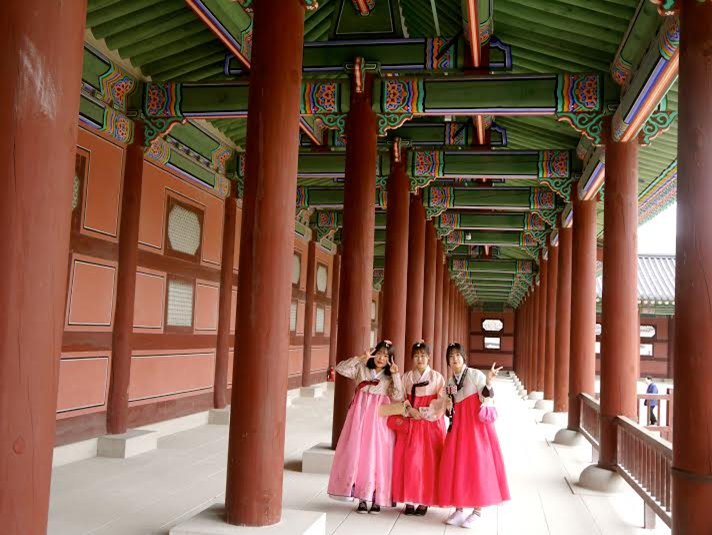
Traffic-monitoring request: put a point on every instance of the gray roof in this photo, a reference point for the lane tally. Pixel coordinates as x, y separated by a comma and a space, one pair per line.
656, 280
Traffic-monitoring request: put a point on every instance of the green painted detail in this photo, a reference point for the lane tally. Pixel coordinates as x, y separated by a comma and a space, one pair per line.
383, 20
159, 127
390, 121
658, 123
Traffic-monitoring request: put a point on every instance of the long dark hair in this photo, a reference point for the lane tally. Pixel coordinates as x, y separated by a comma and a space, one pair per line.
419, 346
455, 346
388, 346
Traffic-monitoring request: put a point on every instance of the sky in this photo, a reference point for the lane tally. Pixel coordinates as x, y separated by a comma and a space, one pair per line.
657, 236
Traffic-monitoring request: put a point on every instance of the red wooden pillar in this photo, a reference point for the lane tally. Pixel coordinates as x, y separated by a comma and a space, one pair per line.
582, 371
445, 340
40, 68
395, 283
333, 327
620, 340
256, 445
541, 324
309, 313
452, 333
117, 407
563, 322
222, 350
429, 276
416, 269
550, 359
516, 355
531, 317
357, 244
692, 439
437, 349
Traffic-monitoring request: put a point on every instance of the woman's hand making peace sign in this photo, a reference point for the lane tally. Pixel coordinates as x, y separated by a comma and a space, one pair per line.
492, 372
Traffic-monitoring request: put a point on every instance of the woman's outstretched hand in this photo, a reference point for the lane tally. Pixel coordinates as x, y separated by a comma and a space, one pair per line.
492, 372
393, 366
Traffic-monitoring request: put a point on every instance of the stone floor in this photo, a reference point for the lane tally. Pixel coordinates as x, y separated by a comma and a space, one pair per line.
150, 493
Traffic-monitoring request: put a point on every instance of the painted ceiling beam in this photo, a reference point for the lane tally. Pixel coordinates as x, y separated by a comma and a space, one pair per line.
640, 111
439, 199
396, 100
433, 54
492, 266
464, 220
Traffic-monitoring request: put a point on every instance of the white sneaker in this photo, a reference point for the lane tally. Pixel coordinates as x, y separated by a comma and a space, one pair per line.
471, 521
457, 518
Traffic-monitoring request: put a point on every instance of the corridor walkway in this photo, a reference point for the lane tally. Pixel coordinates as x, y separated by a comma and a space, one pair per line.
150, 493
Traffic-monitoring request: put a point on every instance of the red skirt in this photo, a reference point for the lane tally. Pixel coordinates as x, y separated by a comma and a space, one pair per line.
472, 468
416, 459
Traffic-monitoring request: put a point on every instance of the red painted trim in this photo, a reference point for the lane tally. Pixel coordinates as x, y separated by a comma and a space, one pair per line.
474, 26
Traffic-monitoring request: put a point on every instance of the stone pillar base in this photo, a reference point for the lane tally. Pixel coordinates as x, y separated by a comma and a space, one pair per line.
536, 395
601, 480
522, 393
544, 405
133, 442
569, 437
559, 419
312, 392
211, 521
219, 416
318, 459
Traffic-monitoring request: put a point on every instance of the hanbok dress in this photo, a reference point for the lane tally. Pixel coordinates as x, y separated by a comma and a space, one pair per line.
416, 460
472, 470
363, 463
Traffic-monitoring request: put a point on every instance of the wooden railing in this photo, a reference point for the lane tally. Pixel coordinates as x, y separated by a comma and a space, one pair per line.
645, 462
663, 412
643, 459
590, 418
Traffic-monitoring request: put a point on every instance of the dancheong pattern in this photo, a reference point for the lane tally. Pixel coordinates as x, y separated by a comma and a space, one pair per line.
542, 199
428, 163
116, 87
403, 96
455, 134
162, 100
578, 93
436, 57
117, 125
553, 164
326, 219
321, 97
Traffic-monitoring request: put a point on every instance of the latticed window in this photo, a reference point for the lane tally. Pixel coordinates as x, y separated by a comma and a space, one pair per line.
180, 303
293, 317
320, 317
296, 269
184, 229
493, 343
647, 331
492, 325
322, 278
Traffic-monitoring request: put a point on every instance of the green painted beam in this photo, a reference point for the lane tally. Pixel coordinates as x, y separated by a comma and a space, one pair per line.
492, 266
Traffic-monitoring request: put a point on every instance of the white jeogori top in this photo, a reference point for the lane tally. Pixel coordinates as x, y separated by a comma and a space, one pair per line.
475, 382
354, 369
435, 387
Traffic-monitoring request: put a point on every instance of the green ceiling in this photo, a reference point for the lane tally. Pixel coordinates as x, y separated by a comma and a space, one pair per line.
167, 41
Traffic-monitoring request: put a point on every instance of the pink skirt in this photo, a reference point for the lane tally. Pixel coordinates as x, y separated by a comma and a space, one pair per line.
363, 461
417, 459
472, 468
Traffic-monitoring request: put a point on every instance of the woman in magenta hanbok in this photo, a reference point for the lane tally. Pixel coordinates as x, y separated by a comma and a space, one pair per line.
418, 449
363, 462
472, 471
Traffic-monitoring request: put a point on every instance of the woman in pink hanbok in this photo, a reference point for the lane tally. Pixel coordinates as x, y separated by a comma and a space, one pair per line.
418, 448
472, 471
363, 462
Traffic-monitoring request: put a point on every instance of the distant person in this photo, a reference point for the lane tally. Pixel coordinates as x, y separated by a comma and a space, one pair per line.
363, 462
651, 403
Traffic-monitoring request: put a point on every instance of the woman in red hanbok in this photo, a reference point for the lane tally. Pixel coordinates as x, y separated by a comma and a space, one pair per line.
418, 448
472, 471
363, 461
